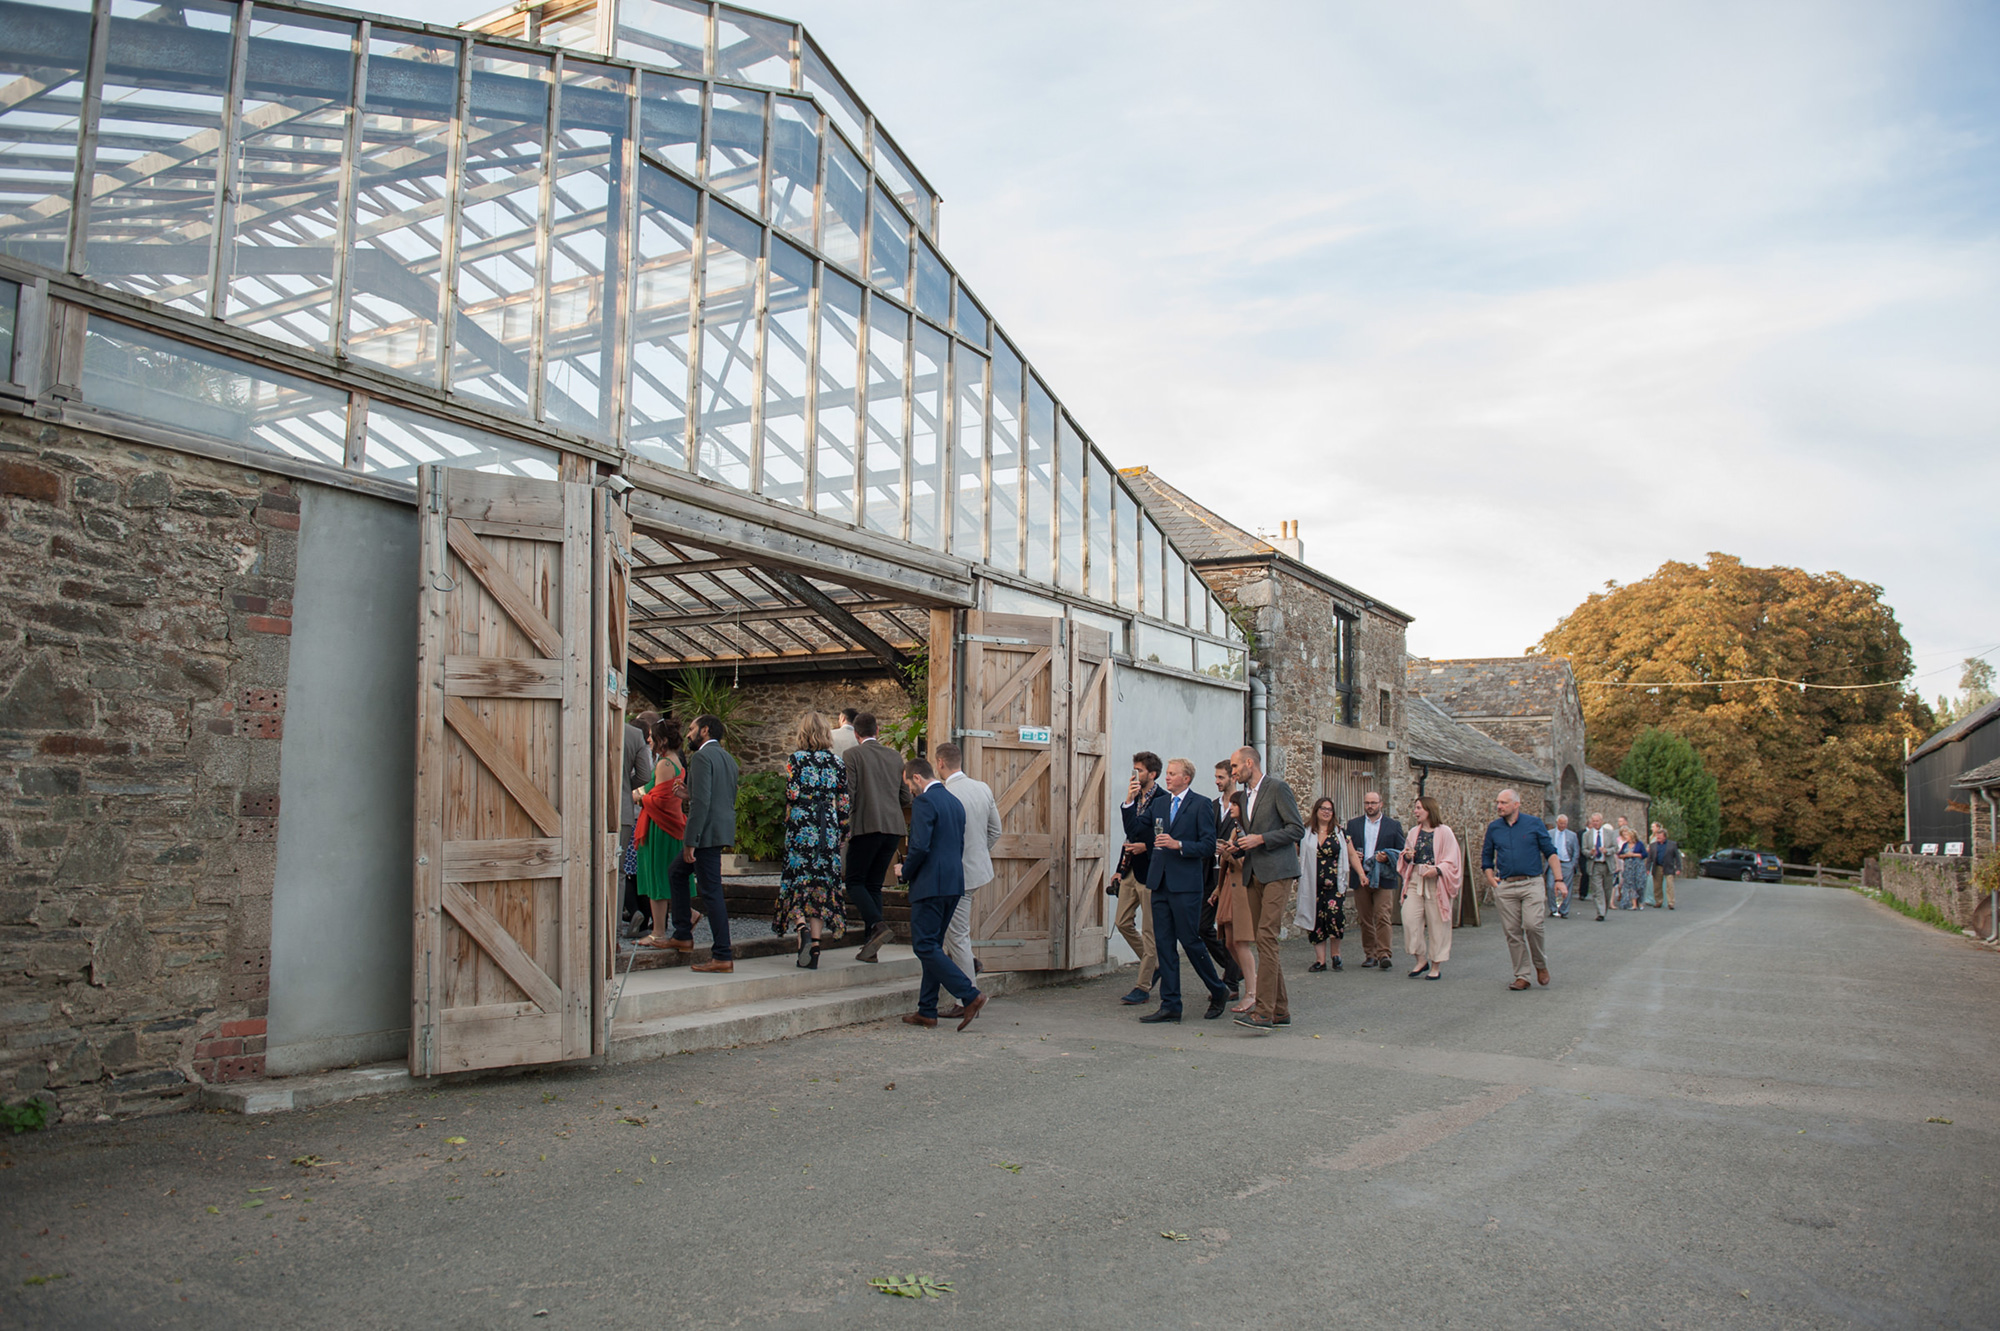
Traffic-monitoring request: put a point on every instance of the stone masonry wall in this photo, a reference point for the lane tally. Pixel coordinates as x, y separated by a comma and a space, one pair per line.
772, 707
1466, 801
145, 602
1944, 881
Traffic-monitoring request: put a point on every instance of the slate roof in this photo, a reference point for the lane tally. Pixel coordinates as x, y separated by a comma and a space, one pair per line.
1493, 685
1436, 738
1957, 730
1199, 533
1602, 783
1986, 774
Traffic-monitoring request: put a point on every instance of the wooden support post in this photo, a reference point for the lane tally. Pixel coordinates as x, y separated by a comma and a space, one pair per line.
943, 677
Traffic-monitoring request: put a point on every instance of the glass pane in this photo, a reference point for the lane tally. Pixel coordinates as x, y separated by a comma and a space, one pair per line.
500, 229
736, 146
1004, 490
1212, 658
1161, 647
1127, 512
670, 121
42, 69
904, 183
400, 441
889, 267
1069, 573
672, 34
153, 205
888, 341
10, 307
787, 337
656, 425
834, 415
1176, 588
1230, 630
826, 85
794, 166
1152, 573
583, 247
971, 320
399, 203
142, 374
927, 444
968, 459
933, 284
1041, 490
1013, 601
294, 132
576, 29
728, 345
845, 207
751, 49
1098, 572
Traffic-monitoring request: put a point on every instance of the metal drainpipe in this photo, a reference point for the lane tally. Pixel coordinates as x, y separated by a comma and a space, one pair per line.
1993, 836
1258, 705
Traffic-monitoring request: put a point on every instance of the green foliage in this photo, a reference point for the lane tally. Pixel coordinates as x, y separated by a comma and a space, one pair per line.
915, 677
1668, 813
1986, 873
28, 1116
1663, 764
1975, 690
699, 692
1923, 911
760, 816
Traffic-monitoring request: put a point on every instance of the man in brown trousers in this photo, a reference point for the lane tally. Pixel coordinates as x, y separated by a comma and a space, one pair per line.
1270, 846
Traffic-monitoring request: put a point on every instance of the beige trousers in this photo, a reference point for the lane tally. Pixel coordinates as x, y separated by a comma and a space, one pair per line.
1426, 921
1136, 901
1270, 905
1662, 876
1523, 904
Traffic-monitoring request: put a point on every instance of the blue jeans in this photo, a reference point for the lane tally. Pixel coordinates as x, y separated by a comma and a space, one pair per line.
1177, 924
928, 919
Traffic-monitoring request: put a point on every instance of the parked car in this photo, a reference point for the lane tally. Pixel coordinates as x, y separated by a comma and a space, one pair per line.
1759, 866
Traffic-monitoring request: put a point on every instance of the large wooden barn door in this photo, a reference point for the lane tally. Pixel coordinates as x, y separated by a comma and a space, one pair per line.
1091, 857
610, 616
1015, 712
508, 732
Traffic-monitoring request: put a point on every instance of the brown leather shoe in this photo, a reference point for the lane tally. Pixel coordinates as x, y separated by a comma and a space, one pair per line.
1542, 976
972, 1010
1519, 985
957, 1010
714, 967
676, 944
918, 1019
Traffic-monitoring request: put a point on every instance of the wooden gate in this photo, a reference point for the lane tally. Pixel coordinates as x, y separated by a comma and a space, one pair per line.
611, 614
1036, 727
508, 743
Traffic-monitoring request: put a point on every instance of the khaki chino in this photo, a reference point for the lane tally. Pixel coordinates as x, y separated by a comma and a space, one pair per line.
1270, 907
1134, 900
1523, 906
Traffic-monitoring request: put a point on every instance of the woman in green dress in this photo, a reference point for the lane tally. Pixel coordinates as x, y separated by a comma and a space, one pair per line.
661, 826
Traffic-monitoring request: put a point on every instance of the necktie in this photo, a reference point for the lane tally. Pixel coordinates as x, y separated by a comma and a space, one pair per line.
1173, 811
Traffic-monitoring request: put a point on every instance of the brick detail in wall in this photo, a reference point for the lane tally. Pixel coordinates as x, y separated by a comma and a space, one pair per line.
145, 611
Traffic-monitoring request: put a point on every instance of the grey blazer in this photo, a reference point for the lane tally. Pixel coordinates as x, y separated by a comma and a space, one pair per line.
982, 827
1275, 816
636, 765
711, 806
881, 802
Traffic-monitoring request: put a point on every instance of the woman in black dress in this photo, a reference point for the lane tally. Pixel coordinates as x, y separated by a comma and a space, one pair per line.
1325, 850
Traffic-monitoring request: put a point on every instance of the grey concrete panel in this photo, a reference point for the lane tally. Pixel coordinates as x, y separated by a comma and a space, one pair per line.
340, 911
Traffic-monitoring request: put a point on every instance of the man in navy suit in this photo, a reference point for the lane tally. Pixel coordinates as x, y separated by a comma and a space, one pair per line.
1373, 842
1176, 878
934, 870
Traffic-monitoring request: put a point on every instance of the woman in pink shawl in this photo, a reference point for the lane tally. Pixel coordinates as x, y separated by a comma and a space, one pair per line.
1433, 868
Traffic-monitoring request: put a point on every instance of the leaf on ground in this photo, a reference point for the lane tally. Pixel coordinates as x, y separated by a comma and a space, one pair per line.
1010, 1168
1170, 1234
43, 1280
256, 1190
306, 1160
454, 1141
911, 1286
248, 1205
215, 1210
1945, 1121
635, 1122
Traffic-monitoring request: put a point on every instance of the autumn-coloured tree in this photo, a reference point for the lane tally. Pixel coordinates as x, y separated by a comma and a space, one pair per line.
1815, 774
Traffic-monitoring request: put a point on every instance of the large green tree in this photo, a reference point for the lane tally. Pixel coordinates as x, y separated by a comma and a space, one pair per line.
1667, 767
1815, 774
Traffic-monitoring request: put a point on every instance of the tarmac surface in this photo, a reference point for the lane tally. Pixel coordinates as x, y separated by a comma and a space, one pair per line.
1721, 1116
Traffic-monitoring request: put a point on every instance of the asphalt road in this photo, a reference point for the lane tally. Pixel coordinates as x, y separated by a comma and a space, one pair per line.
1716, 1116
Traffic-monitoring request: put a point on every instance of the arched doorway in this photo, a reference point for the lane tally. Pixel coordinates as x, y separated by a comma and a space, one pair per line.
1570, 798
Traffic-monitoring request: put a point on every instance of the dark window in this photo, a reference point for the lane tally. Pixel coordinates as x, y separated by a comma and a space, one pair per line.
1382, 708
1345, 649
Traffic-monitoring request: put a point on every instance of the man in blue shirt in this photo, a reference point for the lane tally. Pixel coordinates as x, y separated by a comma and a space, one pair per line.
1517, 849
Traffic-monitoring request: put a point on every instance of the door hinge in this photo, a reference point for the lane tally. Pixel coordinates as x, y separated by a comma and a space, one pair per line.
998, 642
974, 734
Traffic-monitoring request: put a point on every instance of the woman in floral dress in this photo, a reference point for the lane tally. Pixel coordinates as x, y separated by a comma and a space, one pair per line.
1325, 848
1631, 869
811, 897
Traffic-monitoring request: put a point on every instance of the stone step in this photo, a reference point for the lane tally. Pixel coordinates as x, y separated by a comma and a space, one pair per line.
760, 1021
277, 1094
678, 991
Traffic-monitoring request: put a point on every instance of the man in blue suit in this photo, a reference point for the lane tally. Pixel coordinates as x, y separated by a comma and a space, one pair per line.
934, 870
1176, 878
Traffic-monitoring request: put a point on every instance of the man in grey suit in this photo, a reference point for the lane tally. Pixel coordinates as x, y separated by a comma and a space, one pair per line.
982, 833
1566, 849
1273, 830
635, 769
711, 828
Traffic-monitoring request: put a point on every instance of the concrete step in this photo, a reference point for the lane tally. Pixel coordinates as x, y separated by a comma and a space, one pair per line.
649, 995
760, 1020
308, 1092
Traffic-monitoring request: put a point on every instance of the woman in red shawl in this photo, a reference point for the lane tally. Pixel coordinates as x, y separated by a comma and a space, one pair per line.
1433, 868
661, 825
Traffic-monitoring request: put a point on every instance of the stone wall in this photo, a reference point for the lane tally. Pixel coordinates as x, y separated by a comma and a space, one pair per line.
1614, 807
1466, 801
761, 738
1523, 710
145, 603
1943, 881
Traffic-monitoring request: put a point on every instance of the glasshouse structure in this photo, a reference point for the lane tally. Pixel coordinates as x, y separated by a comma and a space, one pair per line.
460, 376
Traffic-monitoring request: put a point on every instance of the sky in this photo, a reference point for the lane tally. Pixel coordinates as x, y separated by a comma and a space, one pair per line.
1499, 301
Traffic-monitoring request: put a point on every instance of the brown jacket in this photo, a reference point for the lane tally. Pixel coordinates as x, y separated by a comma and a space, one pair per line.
881, 800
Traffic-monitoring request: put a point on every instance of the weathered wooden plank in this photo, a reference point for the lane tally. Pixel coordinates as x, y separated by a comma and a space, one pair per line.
1026, 783
477, 496
1028, 671
1062, 815
516, 782
513, 598
502, 677
500, 945
579, 751
500, 860
427, 870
